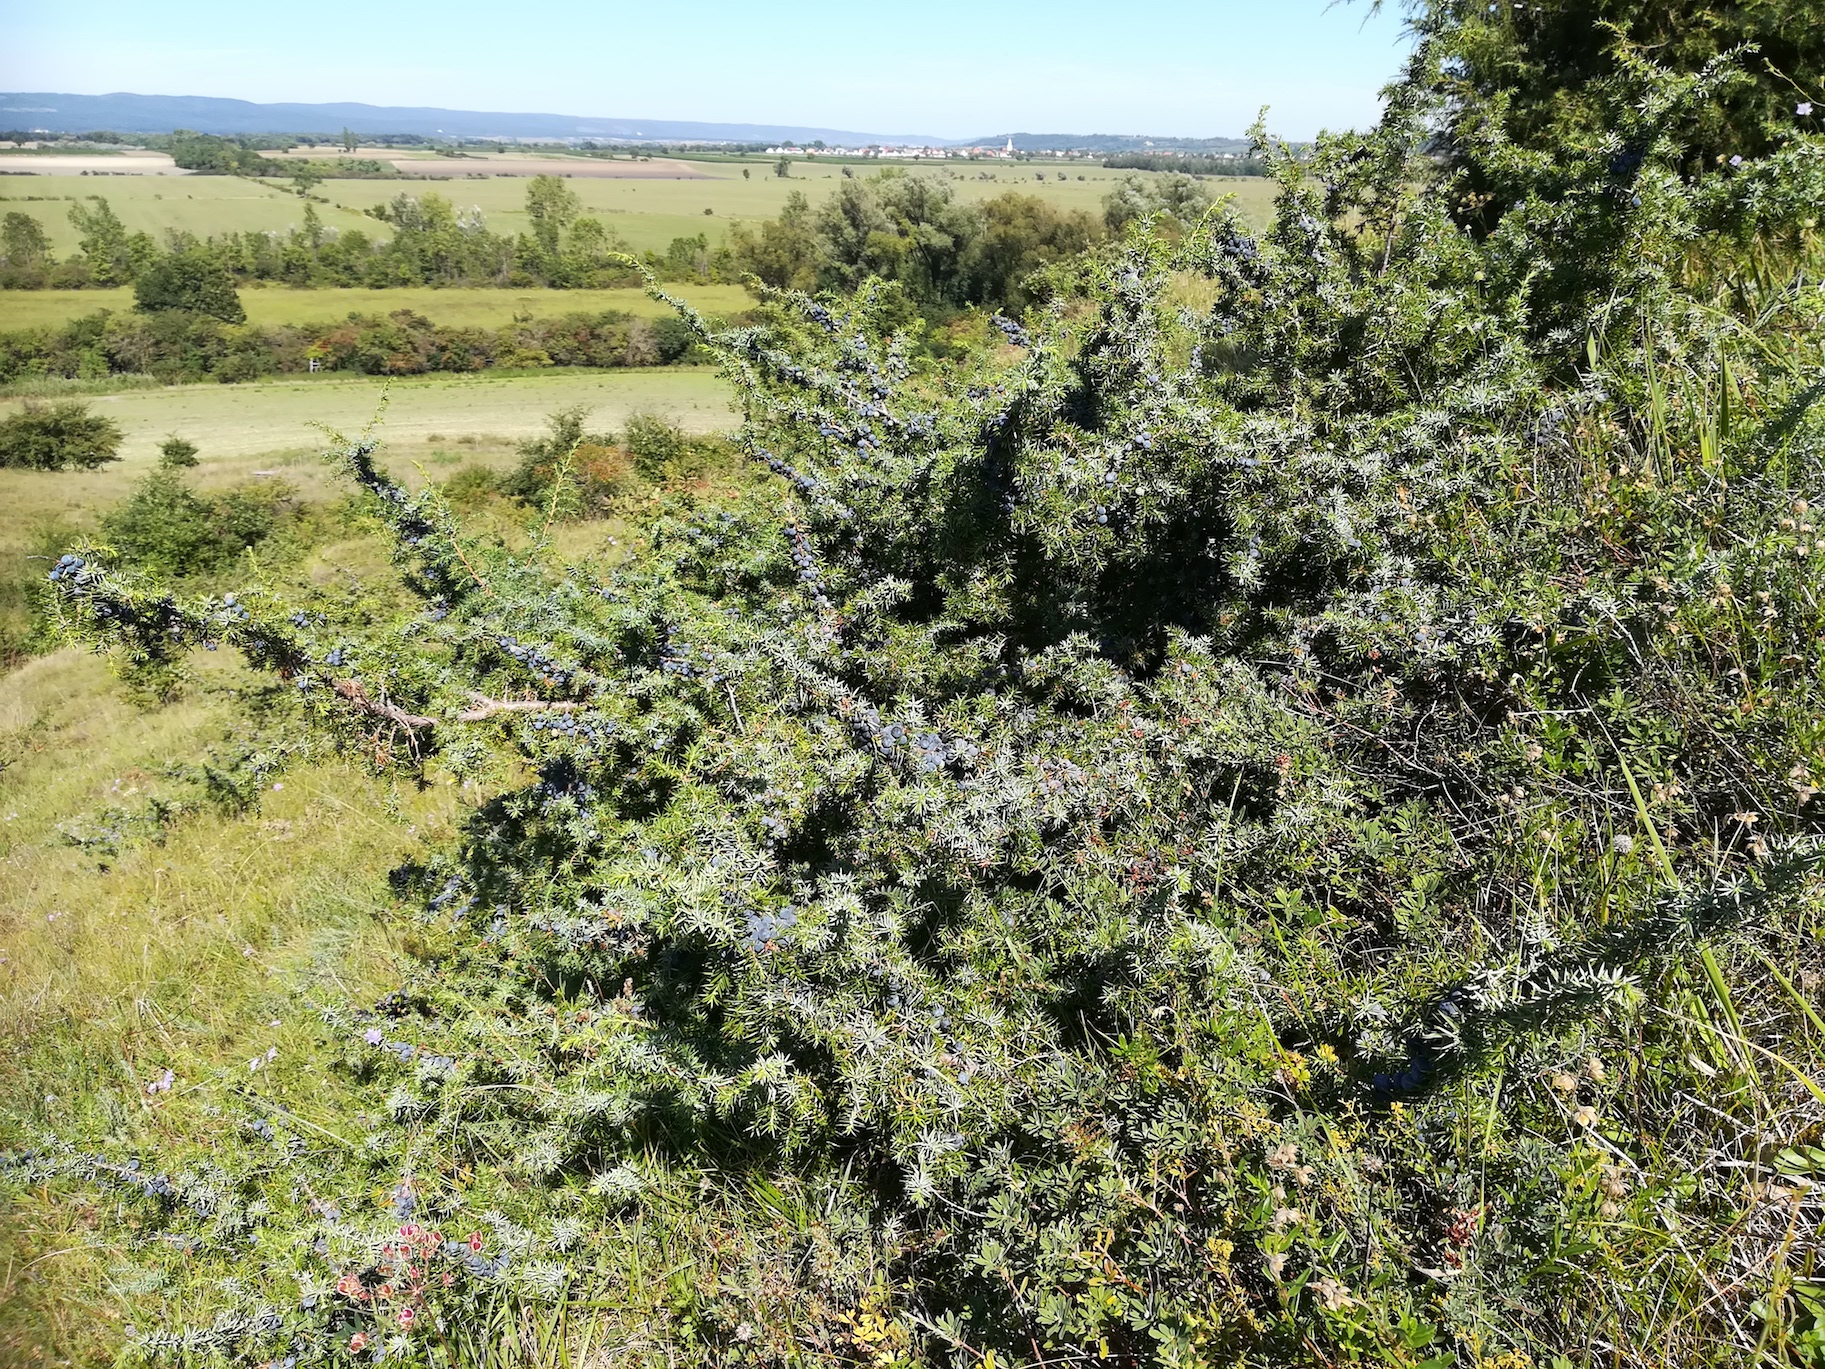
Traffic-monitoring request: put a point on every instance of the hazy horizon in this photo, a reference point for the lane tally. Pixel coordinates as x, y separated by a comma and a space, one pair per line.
956, 72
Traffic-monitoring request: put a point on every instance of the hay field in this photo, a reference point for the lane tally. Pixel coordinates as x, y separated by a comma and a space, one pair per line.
518, 163
276, 418
479, 307
137, 162
203, 205
647, 212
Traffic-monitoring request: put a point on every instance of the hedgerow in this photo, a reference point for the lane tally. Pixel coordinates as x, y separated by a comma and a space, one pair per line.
176, 346
1196, 836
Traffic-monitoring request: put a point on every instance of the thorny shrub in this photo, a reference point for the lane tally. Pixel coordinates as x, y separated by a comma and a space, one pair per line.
1192, 837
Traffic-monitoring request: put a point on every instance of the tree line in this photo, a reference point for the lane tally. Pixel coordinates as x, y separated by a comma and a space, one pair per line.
943, 254
912, 230
179, 346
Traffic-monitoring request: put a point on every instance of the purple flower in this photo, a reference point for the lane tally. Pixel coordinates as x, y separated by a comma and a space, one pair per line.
372, 1036
1803, 109
1736, 160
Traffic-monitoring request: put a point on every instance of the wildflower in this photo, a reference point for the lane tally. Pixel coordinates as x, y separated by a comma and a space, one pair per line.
1803, 109
1585, 1116
349, 1286
1563, 1082
162, 1084
385, 1291
1287, 1216
373, 1036
1276, 1263
407, 1316
1594, 1067
1332, 1296
1283, 1156
1622, 844
475, 1241
1609, 1210
744, 1332
1736, 160
1747, 818
358, 1342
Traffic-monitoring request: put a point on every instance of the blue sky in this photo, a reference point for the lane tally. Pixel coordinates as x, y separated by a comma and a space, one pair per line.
948, 68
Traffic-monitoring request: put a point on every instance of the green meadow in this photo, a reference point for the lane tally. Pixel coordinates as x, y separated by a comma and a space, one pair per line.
287, 417
647, 214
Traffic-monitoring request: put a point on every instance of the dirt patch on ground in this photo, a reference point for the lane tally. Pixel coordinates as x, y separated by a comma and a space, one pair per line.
660, 168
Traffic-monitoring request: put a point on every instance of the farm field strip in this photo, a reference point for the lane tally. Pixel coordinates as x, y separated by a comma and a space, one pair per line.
477, 307
647, 212
279, 417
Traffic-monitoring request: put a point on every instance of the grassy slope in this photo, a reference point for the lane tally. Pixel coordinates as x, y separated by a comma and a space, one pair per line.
474, 308
433, 424
176, 957
647, 213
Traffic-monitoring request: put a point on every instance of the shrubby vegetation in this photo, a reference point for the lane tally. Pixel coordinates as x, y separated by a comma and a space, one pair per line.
432, 242
180, 345
166, 528
1277, 833
56, 437
910, 229
945, 255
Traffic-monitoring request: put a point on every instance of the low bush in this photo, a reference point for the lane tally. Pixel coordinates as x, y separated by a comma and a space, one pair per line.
165, 528
55, 437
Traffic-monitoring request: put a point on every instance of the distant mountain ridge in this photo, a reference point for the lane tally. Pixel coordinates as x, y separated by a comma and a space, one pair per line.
124, 112
129, 113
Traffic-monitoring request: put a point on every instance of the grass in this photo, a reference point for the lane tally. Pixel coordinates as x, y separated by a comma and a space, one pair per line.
175, 956
276, 418
159, 204
648, 214
467, 307
433, 425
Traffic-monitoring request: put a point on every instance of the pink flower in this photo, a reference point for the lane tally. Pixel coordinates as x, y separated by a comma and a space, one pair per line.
475, 1241
358, 1342
407, 1316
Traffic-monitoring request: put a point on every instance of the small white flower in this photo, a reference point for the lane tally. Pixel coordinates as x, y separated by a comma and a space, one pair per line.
1803, 109
1622, 844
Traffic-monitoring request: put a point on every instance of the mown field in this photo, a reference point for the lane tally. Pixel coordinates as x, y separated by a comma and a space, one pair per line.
202, 205
648, 214
280, 417
478, 307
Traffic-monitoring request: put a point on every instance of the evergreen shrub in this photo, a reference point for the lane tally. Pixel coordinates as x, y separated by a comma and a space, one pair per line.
1196, 837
